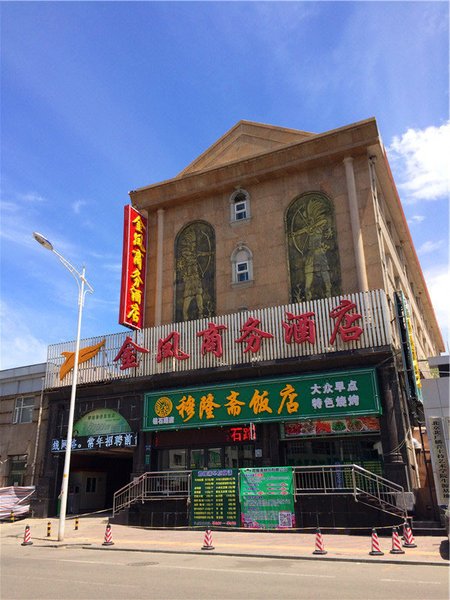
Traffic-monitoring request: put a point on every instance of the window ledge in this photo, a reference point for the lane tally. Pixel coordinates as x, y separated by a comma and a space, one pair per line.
242, 283
240, 221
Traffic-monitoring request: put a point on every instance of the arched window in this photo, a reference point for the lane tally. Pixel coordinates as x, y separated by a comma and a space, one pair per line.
195, 272
239, 206
242, 264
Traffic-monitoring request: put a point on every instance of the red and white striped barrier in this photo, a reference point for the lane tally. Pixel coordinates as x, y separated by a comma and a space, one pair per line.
320, 547
27, 537
108, 536
375, 545
207, 542
396, 545
408, 538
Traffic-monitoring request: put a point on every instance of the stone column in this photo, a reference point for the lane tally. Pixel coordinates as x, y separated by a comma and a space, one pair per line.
394, 465
159, 267
356, 226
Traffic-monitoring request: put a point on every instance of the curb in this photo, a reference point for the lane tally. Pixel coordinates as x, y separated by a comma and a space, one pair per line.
275, 556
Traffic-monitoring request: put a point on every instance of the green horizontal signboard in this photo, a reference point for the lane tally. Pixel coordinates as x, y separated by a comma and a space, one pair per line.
332, 394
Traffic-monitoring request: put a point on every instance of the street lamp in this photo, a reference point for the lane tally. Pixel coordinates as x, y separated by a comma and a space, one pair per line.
83, 288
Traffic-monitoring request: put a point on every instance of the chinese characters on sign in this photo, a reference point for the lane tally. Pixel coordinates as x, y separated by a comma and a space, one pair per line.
267, 498
97, 442
298, 329
310, 396
214, 498
132, 294
439, 458
128, 354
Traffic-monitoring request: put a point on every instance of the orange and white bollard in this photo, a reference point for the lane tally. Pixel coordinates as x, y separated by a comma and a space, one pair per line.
408, 538
108, 537
375, 545
207, 542
396, 545
320, 548
27, 537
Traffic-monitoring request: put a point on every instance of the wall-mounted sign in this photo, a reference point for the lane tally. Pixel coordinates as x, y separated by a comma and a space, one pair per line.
313, 427
84, 355
214, 498
134, 258
112, 441
439, 457
323, 395
267, 498
101, 421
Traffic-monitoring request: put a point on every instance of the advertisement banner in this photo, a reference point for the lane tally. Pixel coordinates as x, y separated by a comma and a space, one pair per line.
267, 498
134, 259
347, 425
109, 441
214, 498
322, 395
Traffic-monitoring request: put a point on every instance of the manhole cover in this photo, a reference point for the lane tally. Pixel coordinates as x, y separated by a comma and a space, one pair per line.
142, 564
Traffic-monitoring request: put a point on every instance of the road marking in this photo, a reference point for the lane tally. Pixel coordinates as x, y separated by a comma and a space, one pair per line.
412, 581
243, 571
246, 571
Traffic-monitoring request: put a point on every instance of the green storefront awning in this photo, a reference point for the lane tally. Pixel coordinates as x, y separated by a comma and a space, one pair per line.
332, 394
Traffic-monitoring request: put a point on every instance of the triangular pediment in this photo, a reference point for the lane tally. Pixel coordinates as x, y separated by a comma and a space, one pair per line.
244, 140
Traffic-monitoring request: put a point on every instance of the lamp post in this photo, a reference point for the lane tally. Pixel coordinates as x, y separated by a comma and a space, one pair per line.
83, 288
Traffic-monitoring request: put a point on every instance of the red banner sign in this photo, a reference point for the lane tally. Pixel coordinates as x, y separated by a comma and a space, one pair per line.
134, 258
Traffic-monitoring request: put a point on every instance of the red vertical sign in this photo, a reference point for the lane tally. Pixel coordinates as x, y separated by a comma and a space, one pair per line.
134, 259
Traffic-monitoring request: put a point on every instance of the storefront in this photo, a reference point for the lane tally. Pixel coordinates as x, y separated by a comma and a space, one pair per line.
103, 446
271, 421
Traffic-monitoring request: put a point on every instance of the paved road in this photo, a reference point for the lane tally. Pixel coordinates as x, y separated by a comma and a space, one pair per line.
38, 573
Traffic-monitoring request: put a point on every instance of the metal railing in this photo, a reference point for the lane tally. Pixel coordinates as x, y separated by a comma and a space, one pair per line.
366, 487
153, 486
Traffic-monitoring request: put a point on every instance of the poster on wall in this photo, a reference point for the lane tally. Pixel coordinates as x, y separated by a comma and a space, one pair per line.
214, 498
267, 498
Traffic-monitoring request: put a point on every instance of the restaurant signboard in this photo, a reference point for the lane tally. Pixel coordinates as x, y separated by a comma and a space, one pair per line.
317, 396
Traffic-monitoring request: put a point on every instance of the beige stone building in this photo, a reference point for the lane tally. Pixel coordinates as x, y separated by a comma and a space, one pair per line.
286, 318
273, 166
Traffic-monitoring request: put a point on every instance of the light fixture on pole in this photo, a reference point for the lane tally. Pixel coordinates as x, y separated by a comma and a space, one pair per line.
83, 288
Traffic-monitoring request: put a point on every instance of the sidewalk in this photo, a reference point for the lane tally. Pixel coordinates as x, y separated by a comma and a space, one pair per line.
340, 547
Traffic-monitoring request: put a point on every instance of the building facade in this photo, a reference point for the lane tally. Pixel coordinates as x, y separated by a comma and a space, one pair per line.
23, 425
284, 317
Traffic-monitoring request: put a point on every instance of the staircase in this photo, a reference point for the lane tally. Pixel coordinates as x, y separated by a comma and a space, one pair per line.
365, 487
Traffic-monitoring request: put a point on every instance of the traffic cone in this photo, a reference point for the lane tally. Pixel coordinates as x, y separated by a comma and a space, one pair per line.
375, 545
320, 548
108, 536
27, 537
207, 543
396, 545
409, 541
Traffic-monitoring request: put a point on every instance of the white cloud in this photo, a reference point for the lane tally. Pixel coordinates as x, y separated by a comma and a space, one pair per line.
76, 206
438, 283
421, 157
19, 346
430, 246
416, 220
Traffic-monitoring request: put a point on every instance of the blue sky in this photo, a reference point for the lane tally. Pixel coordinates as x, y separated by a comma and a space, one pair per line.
99, 98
